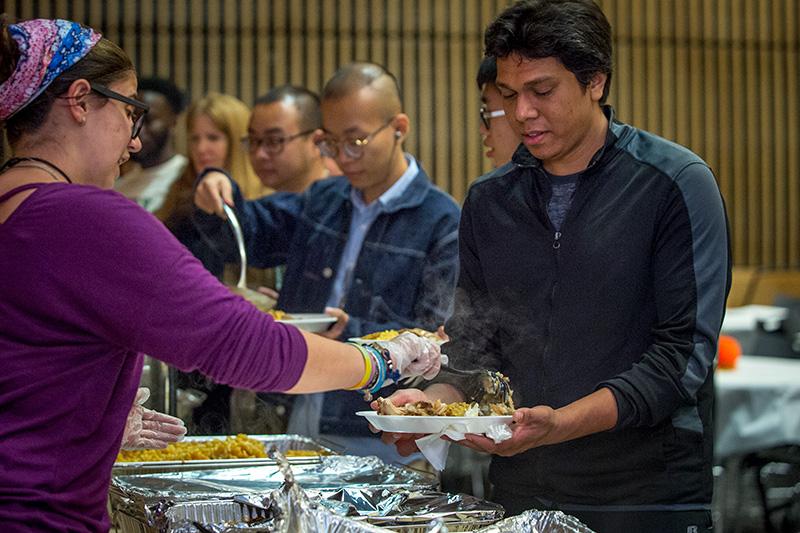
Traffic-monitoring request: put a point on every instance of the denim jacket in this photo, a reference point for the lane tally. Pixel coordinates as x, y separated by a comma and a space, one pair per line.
404, 276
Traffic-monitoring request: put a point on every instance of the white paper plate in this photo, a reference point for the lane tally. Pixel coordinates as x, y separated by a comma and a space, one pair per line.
313, 322
433, 424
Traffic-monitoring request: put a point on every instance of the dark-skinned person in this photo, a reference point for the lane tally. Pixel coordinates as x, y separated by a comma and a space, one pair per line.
377, 245
89, 281
594, 272
157, 165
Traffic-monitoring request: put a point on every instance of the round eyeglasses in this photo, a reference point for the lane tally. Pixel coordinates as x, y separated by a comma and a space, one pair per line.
273, 144
352, 148
487, 116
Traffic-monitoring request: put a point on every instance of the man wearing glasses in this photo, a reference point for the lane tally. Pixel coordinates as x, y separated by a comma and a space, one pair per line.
498, 136
379, 242
281, 139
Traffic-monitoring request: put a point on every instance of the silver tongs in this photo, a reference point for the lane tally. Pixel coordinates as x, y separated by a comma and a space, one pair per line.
494, 384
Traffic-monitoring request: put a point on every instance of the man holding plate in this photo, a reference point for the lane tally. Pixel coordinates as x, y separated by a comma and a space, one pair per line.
593, 273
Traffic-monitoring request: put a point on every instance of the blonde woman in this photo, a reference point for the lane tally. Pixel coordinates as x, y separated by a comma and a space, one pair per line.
215, 124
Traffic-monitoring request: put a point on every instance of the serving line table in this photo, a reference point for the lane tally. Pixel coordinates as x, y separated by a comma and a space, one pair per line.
757, 408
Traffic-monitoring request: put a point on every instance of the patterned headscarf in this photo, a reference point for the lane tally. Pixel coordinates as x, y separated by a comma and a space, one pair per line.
47, 48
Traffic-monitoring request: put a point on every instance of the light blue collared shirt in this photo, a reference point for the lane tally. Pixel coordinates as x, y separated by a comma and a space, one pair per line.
363, 217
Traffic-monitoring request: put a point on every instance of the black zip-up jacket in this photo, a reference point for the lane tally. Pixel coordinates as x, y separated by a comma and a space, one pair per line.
629, 295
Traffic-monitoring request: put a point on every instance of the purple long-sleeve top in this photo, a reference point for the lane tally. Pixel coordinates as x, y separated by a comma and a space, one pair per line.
88, 282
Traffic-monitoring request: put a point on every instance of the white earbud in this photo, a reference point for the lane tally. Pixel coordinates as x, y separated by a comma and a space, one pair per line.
397, 134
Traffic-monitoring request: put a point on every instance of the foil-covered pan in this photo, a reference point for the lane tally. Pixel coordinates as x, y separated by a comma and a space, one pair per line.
412, 511
135, 494
283, 443
538, 522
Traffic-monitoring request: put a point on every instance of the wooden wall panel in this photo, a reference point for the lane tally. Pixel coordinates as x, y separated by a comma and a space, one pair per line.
719, 76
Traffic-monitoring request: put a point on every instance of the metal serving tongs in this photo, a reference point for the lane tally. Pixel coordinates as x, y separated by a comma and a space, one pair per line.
262, 301
495, 386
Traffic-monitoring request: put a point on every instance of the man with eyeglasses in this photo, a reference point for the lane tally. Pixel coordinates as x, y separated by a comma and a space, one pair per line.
379, 242
157, 165
281, 139
497, 134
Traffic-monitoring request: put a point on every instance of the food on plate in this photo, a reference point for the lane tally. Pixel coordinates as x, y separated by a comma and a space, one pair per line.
239, 447
496, 400
389, 334
439, 408
277, 314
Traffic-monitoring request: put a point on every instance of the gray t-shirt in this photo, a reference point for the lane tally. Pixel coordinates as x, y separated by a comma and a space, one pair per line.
563, 189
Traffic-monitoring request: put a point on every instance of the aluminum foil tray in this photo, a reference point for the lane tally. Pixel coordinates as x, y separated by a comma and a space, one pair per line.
412, 511
231, 516
283, 443
133, 494
538, 522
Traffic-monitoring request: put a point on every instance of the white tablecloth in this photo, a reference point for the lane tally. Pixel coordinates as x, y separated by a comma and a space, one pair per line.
757, 405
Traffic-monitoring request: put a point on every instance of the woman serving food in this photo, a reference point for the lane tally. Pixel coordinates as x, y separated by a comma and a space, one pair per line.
90, 280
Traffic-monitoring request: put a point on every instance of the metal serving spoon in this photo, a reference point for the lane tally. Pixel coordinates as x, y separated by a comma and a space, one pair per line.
262, 301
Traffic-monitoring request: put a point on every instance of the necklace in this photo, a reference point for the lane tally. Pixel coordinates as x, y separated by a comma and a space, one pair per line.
14, 161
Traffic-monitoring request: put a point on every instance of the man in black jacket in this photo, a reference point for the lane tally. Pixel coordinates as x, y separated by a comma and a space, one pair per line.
593, 273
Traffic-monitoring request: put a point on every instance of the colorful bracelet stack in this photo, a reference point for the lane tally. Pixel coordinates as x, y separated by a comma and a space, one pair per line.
378, 368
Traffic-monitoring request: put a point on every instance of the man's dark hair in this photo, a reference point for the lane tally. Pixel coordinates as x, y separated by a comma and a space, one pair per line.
576, 32
170, 91
487, 72
306, 102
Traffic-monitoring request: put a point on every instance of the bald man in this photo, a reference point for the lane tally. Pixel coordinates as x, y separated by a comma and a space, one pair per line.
378, 245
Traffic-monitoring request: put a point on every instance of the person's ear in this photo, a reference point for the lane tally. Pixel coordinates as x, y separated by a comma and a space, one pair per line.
401, 125
76, 97
597, 84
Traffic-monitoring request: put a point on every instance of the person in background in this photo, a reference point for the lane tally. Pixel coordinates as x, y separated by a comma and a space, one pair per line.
593, 273
89, 281
280, 139
215, 125
156, 166
377, 244
466, 469
496, 131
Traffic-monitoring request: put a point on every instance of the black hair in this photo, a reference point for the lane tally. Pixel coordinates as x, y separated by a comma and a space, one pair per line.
576, 32
305, 101
487, 72
104, 64
175, 97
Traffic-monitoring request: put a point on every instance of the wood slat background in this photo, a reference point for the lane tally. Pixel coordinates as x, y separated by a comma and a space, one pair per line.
719, 76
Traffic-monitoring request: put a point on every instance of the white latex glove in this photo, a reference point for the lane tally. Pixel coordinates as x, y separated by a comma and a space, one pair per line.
414, 355
148, 429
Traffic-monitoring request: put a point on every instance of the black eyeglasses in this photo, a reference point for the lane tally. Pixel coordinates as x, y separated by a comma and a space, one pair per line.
352, 148
487, 116
139, 108
273, 144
